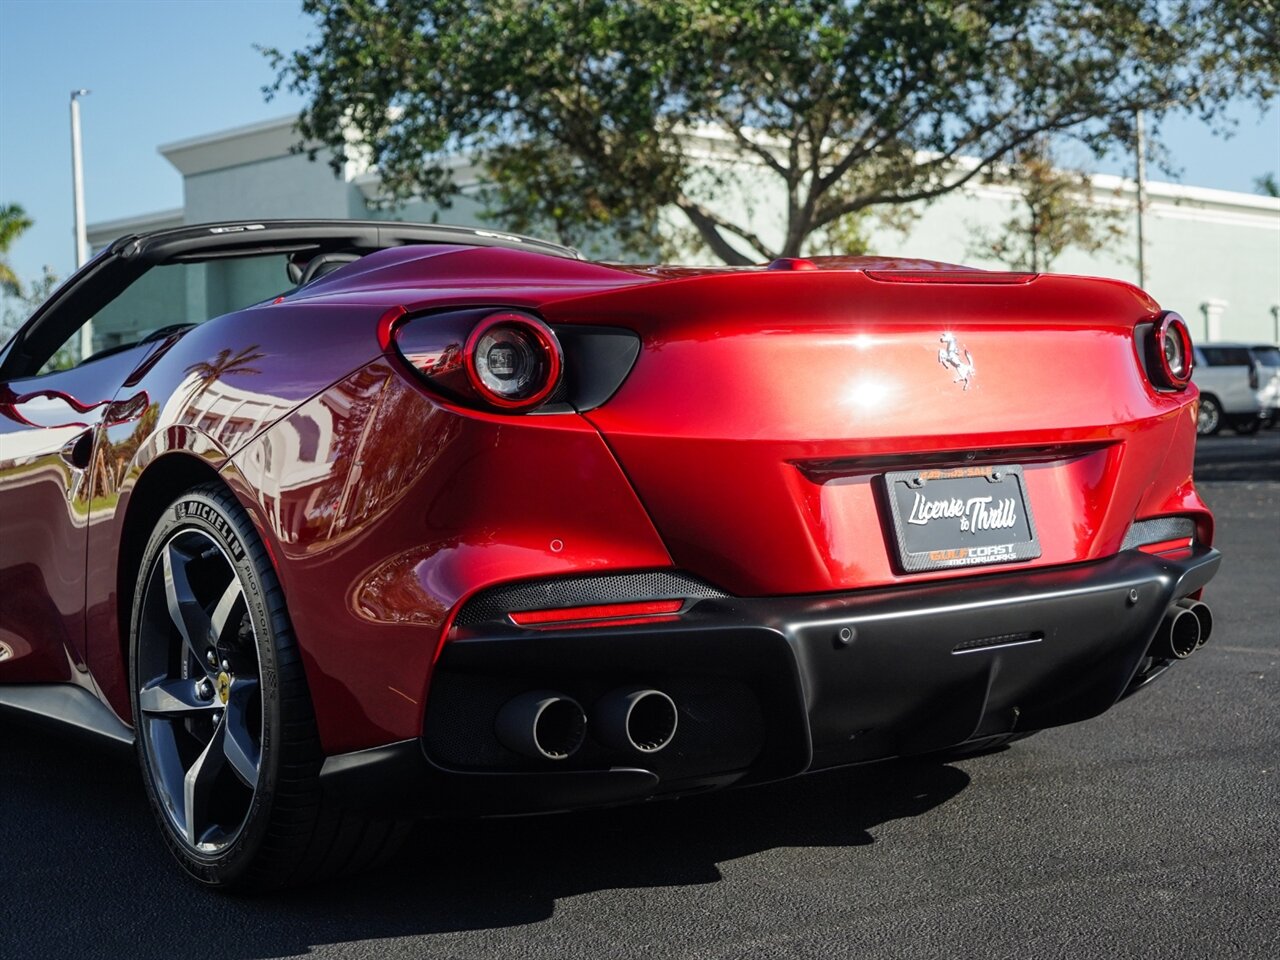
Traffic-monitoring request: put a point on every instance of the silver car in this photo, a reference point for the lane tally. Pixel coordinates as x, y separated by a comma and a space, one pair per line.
1228, 378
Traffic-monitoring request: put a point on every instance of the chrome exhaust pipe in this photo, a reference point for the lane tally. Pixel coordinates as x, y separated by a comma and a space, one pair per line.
1178, 635
635, 719
542, 724
1204, 616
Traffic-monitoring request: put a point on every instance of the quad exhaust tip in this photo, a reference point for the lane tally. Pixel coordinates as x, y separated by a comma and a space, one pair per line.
637, 719
542, 724
1178, 636
1203, 615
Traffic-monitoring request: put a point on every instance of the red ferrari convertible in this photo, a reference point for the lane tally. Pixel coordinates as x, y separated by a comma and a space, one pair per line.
461, 523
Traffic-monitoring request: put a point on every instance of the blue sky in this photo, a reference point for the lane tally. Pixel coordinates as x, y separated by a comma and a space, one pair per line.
160, 71
165, 70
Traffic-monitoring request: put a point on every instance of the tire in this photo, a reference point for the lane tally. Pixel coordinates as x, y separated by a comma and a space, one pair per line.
1247, 427
226, 734
1209, 420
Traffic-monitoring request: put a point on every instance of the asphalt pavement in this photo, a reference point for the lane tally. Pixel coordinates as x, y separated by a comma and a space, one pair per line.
1151, 831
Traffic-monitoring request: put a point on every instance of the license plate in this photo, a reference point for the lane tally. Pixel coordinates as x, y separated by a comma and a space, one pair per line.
961, 517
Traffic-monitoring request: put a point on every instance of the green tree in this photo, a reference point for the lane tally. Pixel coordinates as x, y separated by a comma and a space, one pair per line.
580, 112
13, 223
1267, 185
22, 305
1054, 210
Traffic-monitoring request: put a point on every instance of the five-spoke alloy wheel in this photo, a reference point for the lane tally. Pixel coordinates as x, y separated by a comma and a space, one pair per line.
199, 691
226, 733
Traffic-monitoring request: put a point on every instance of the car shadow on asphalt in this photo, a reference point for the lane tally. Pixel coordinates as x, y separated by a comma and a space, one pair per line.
79, 841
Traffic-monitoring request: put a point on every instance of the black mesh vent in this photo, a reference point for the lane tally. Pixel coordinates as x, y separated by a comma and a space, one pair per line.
1003, 640
497, 602
1158, 530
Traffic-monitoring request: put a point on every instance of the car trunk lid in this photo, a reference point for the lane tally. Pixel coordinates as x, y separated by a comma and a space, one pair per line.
768, 407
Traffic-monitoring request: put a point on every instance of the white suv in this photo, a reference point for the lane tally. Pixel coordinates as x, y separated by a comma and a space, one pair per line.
1267, 358
1227, 376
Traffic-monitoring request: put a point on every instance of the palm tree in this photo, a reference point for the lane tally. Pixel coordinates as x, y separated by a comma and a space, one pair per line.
13, 222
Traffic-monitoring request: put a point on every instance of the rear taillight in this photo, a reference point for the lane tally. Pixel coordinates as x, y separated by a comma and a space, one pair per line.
512, 361
500, 359
1168, 353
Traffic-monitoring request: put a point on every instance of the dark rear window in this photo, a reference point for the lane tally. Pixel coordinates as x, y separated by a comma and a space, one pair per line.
1227, 356
1267, 356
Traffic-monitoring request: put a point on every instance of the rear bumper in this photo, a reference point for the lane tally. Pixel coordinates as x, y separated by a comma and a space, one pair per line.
772, 687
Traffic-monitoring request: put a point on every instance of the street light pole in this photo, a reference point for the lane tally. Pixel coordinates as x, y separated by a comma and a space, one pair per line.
77, 186
1141, 145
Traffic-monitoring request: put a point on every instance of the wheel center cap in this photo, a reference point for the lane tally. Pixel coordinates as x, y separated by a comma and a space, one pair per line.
224, 686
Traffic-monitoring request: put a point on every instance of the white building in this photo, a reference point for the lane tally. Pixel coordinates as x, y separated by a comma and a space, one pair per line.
1212, 255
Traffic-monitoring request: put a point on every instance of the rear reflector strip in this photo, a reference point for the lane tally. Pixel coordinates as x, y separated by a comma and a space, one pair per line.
1166, 546
610, 623
630, 612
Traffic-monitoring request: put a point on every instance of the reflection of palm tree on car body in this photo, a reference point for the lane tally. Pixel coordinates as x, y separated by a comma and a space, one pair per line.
225, 363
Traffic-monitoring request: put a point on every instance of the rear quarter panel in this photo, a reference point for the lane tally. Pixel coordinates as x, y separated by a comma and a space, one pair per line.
401, 508
203, 395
